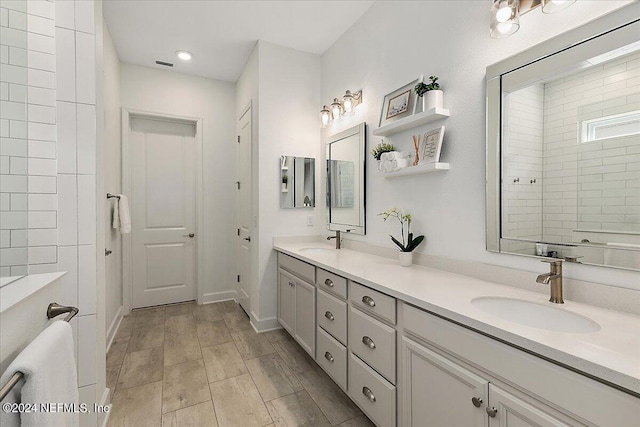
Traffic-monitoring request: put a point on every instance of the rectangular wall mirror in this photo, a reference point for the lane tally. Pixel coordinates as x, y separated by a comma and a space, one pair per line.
345, 180
563, 147
297, 182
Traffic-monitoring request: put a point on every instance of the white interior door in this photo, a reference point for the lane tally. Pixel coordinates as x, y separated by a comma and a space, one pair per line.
244, 210
163, 215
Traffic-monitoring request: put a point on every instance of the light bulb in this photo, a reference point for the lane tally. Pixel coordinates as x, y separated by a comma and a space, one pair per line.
324, 116
504, 12
336, 109
347, 105
184, 55
552, 6
504, 27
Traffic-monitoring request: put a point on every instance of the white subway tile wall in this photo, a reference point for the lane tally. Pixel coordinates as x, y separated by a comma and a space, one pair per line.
27, 119
48, 157
522, 173
592, 185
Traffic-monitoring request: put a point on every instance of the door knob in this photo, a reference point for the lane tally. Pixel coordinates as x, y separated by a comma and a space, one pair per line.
492, 411
477, 401
248, 239
107, 252
192, 235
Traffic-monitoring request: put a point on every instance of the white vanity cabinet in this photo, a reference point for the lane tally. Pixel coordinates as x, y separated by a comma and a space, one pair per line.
297, 301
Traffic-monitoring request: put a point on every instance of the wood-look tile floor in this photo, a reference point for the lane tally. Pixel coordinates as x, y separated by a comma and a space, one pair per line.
189, 365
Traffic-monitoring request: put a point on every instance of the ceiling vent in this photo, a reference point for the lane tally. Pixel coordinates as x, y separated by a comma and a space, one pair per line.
166, 64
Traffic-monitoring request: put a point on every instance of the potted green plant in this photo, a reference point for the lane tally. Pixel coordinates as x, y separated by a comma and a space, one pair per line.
380, 149
408, 243
285, 179
432, 96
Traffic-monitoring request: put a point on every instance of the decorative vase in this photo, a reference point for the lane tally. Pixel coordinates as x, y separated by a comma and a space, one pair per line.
433, 99
406, 258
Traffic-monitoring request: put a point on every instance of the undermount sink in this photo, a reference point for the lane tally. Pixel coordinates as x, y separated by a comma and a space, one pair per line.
536, 315
317, 250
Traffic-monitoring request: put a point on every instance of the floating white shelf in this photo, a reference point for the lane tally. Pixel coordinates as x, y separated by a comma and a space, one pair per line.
421, 168
431, 115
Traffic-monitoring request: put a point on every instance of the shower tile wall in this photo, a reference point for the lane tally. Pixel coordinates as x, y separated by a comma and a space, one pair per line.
28, 186
522, 185
594, 185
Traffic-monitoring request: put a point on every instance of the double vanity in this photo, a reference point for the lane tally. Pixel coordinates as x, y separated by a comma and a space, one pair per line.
419, 346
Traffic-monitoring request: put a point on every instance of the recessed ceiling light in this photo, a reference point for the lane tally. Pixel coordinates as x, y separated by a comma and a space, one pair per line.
184, 55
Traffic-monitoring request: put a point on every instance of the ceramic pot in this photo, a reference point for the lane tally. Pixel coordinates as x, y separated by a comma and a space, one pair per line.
433, 99
406, 258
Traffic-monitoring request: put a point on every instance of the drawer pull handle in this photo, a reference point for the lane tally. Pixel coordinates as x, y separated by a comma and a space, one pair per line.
477, 401
329, 315
492, 411
368, 301
368, 342
368, 394
329, 283
328, 356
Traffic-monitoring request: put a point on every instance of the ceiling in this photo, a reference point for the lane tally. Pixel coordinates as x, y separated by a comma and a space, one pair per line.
221, 34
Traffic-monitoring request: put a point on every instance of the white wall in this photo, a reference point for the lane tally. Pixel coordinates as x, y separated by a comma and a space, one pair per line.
284, 87
386, 49
172, 93
112, 179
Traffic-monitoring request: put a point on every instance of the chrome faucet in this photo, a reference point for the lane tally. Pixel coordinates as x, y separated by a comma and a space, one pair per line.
554, 280
338, 239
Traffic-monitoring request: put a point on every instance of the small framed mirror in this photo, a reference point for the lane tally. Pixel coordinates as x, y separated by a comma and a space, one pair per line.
297, 182
346, 180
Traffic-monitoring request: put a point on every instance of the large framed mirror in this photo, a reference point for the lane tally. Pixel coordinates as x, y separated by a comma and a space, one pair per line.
563, 146
346, 180
298, 182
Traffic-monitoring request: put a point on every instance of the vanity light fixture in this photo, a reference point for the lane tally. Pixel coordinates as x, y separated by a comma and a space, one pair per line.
338, 108
505, 14
505, 18
184, 55
350, 101
325, 116
552, 6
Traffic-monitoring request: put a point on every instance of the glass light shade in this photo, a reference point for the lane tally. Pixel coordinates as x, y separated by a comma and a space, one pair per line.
505, 18
552, 6
347, 103
324, 116
336, 109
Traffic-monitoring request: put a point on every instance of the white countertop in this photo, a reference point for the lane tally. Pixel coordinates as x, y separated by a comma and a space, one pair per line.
611, 354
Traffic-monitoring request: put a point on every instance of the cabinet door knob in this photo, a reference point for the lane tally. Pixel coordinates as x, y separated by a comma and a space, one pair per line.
368, 394
328, 356
368, 342
192, 235
492, 411
477, 401
369, 301
329, 283
329, 315
291, 284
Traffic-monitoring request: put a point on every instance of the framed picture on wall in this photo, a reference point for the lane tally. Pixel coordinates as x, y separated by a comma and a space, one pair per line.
399, 104
431, 146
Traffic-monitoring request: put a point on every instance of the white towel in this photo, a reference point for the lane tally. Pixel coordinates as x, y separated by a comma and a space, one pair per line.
121, 215
49, 367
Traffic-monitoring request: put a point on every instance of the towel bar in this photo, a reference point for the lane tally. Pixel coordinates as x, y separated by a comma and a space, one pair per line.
53, 310
112, 196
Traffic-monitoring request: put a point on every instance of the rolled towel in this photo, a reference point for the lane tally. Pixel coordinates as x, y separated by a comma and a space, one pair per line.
49, 368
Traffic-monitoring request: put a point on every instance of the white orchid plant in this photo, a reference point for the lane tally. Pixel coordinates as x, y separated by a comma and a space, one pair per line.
409, 243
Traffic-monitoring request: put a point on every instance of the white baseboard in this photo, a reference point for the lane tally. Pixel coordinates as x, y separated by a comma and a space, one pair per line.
264, 325
103, 418
218, 297
113, 328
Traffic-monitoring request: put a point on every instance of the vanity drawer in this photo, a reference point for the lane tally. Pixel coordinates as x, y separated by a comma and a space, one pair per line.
299, 268
332, 315
332, 283
372, 301
332, 357
374, 342
375, 395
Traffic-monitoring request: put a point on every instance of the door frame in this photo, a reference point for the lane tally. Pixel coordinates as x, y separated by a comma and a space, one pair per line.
127, 264
248, 109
